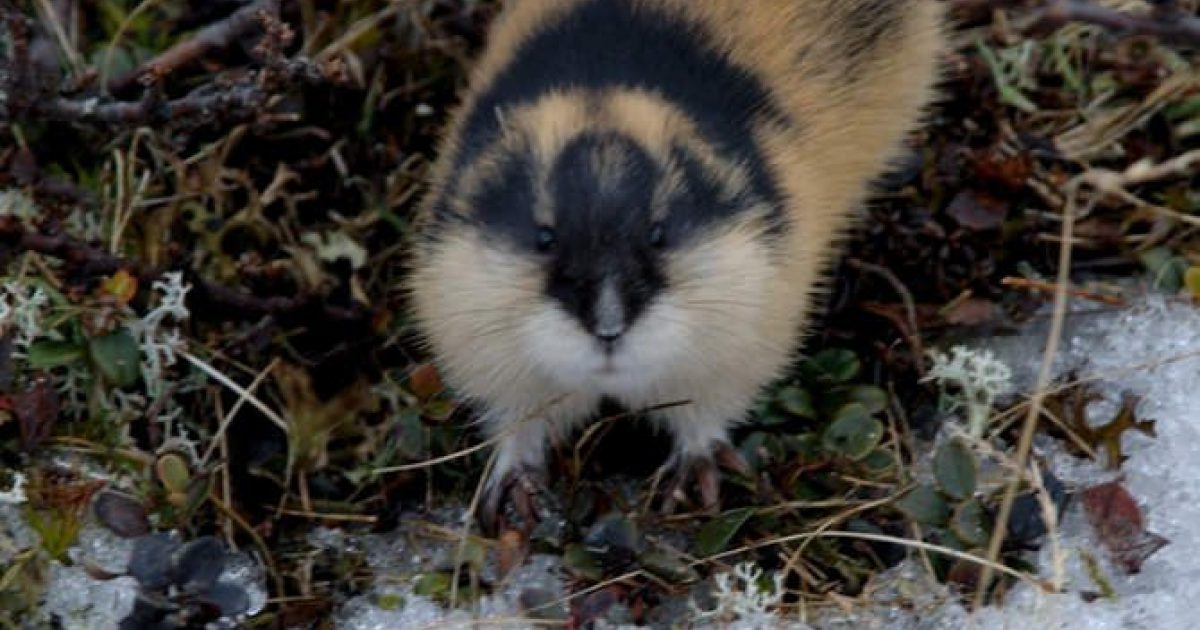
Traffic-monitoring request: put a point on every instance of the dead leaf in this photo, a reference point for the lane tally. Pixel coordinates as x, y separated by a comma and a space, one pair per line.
511, 552
971, 312
312, 421
1071, 407
425, 382
996, 166
121, 286
37, 412
121, 513
1120, 526
1109, 434
977, 210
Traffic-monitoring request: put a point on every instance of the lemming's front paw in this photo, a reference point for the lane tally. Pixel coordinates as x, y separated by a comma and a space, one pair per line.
519, 499
702, 471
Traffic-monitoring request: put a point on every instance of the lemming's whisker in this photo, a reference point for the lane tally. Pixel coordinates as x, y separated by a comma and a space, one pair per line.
742, 303
489, 309
717, 328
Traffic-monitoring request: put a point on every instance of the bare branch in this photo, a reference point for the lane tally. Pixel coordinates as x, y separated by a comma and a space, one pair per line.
216, 36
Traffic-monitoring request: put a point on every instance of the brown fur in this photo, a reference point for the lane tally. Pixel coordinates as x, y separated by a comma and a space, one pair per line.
851, 77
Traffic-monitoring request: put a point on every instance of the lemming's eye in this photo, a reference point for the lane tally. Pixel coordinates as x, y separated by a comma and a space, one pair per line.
546, 238
658, 235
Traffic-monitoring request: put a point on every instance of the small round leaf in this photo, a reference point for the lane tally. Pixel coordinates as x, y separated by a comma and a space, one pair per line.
173, 471
879, 463
834, 365
873, 398
117, 357
969, 523
955, 469
230, 598
121, 514
853, 433
150, 562
198, 564
924, 505
796, 401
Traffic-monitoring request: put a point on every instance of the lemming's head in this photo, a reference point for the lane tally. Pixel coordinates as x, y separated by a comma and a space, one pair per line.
598, 234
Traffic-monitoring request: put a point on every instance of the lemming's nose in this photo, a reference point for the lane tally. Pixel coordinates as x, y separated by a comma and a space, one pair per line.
609, 313
608, 336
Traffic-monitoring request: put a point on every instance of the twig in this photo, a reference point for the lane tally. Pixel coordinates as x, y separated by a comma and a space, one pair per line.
913, 332
216, 36
227, 418
236, 304
352, 518
244, 393
1050, 287
1171, 26
1029, 428
1032, 580
1166, 22
248, 100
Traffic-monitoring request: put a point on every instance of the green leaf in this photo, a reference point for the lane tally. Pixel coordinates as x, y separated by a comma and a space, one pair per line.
797, 401
853, 433
879, 462
955, 469
1166, 269
804, 445
714, 537
117, 357
969, 523
47, 353
668, 567
389, 601
873, 398
833, 365
433, 585
174, 472
582, 563
924, 505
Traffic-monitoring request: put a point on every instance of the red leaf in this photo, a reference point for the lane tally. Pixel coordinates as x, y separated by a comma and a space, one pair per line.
425, 382
1119, 523
1011, 171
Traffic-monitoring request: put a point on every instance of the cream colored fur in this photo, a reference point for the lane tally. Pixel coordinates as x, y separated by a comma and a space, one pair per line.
736, 301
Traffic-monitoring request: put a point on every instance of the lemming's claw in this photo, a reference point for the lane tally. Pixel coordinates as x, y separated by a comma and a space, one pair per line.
703, 471
520, 499
730, 459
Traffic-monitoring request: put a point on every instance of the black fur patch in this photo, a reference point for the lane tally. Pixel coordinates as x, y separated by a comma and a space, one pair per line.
603, 221
701, 201
610, 44
505, 203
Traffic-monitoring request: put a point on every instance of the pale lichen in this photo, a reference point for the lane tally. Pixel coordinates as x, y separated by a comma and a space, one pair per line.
971, 380
740, 597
